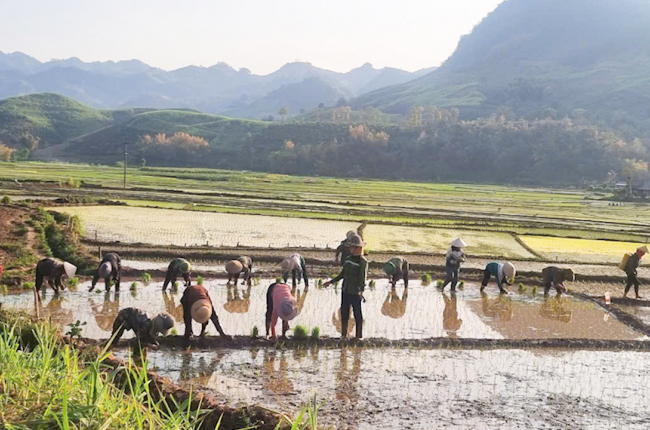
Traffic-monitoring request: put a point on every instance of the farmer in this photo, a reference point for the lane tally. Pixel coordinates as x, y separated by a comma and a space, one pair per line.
455, 256
555, 277
234, 268
397, 268
53, 270
630, 269
280, 303
178, 267
354, 275
295, 263
109, 270
145, 328
197, 306
504, 274
343, 249
236, 303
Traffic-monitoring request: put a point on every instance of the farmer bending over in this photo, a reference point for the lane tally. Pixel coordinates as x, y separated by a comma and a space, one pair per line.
178, 267
630, 269
397, 268
145, 328
295, 264
234, 268
504, 274
280, 303
555, 277
455, 256
53, 270
109, 270
197, 306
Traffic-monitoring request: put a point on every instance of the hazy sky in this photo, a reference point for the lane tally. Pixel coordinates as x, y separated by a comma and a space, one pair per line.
261, 35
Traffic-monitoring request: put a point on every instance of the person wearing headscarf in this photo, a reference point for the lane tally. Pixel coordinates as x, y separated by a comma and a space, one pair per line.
294, 264
354, 275
504, 274
631, 271
197, 306
145, 328
109, 270
178, 267
343, 250
235, 268
555, 277
53, 270
455, 256
280, 303
397, 268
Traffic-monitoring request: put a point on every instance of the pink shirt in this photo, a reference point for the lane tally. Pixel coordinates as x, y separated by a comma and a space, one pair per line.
281, 292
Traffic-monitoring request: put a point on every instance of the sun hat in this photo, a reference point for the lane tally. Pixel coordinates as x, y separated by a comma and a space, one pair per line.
569, 275
643, 249
163, 324
70, 269
201, 311
356, 241
234, 267
287, 310
509, 270
458, 243
389, 268
105, 269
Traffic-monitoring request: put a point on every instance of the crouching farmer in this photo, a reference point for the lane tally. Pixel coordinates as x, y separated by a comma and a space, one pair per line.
241, 266
145, 328
504, 274
197, 306
109, 270
53, 270
280, 303
294, 264
397, 268
555, 277
179, 267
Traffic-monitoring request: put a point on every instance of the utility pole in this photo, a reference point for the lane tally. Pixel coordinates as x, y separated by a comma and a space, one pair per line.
126, 142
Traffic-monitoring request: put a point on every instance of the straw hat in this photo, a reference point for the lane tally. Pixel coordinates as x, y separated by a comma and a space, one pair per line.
163, 324
70, 269
105, 269
234, 267
201, 311
287, 310
509, 270
569, 275
356, 241
389, 268
643, 249
458, 243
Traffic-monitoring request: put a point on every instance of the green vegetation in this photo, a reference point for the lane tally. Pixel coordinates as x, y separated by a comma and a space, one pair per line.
534, 291
72, 283
426, 278
175, 286
372, 283
255, 332
522, 287
300, 332
315, 333
134, 286
146, 278
461, 285
76, 329
28, 285
6, 200
199, 280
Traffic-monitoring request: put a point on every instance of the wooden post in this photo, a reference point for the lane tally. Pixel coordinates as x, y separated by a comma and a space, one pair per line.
36, 302
99, 251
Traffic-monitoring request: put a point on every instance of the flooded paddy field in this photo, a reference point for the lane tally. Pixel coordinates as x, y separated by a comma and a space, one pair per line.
418, 312
365, 388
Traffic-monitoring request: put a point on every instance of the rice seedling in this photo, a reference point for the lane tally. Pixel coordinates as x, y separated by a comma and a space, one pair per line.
174, 332
426, 278
279, 280
440, 283
199, 280
534, 290
72, 283
4, 289
6, 200
257, 281
372, 283
175, 286
315, 333
319, 282
146, 278
300, 332
461, 285
255, 332
522, 287
134, 286
28, 285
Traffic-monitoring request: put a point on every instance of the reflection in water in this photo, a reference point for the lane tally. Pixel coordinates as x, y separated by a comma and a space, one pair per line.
336, 321
300, 298
55, 310
450, 321
200, 370
274, 373
500, 308
393, 306
173, 309
347, 388
553, 309
106, 311
235, 303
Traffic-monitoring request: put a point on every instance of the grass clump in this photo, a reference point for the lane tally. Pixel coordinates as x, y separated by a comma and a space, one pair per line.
255, 332
315, 333
146, 278
426, 278
300, 332
6, 200
4, 289
28, 285
199, 280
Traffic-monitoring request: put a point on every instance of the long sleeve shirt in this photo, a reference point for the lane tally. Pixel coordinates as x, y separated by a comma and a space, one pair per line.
454, 258
354, 275
496, 269
281, 292
632, 264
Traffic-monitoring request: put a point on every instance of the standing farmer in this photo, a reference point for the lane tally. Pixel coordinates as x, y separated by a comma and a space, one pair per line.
294, 263
504, 274
354, 275
197, 306
280, 303
343, 250
455, 256
630, 269
397, 268
109, 270
178, 267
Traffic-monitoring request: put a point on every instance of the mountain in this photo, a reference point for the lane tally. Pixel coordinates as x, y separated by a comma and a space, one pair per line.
216, 89
541, 57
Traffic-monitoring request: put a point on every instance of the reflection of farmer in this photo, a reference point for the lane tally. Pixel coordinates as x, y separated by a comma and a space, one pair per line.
300, 298
347, 388
108, 270
53, 270
450, 320
455, 256
57, 313
178, 267
171, 307
197, 306
393, 306
108, 312
552, 309
630, 269
280, 303
294, 264
145, 328
236, 304
504, 274
397, 268
241, 266
276, 381
336, 321
555, 277
500, 309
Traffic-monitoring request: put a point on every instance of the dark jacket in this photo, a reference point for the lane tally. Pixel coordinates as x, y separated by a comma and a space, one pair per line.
632, 264
136, 320
354, 275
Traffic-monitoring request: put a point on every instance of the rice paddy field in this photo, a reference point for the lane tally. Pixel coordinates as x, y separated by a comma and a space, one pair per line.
583, 250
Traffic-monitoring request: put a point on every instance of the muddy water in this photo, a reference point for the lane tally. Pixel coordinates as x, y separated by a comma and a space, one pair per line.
423, 389
419, 312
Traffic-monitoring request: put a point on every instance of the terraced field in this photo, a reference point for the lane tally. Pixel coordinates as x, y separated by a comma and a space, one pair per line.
582, 250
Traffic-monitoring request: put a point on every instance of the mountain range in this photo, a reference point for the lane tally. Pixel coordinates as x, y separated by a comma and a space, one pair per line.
216, 89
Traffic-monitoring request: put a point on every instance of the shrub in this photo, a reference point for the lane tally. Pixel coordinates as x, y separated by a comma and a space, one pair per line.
6, 200
300, 332
146, 278
199, 280
426, 278
315, 333
255, 332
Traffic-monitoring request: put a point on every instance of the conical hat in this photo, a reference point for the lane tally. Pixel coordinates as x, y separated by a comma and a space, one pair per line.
643, 249
509, 270
70, 269
458, 243
163, 324
234, 267
201, 311
287, 310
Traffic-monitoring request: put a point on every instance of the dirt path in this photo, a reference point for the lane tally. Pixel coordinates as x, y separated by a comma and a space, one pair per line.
32, 242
